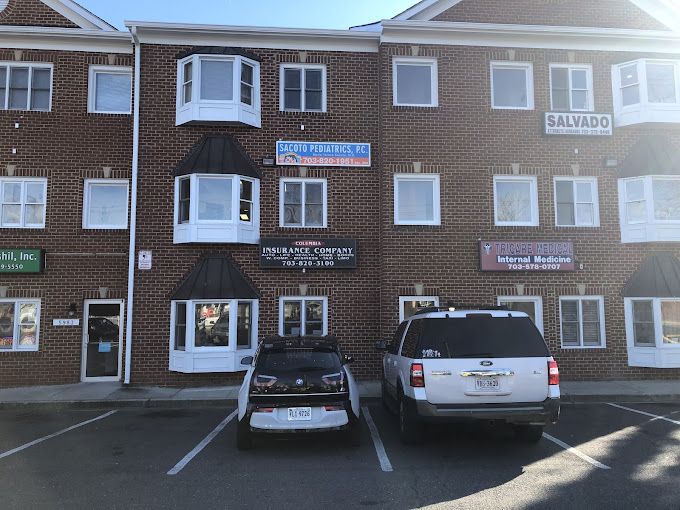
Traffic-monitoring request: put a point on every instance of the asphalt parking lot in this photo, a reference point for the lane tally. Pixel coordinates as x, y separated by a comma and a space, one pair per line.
597, 456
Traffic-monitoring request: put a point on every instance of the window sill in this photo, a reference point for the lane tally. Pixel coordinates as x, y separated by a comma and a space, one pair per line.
582, 347
301, 113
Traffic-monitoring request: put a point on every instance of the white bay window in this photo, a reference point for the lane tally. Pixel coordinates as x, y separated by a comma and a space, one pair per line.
653, 332
649, 208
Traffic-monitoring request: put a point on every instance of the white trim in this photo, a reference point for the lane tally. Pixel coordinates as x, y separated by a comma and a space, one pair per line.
538, 306
436, 197
303, 312
87, 187
29, 99
658, 355
22, 221
302, 68
532, 180
648, 229
588, 68
121, 328
65, 39
304, 182
78, 14
528, 69
580, 299
434, 80
595, 203
92, 87
405, 299
17, 324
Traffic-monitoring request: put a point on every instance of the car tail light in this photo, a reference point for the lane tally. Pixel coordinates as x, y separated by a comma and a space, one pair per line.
264, 410
334, 408
553, 373
336, 380
417, 375
264, 381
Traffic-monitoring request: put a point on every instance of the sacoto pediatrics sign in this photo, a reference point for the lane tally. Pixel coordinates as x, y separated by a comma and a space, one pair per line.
323, 154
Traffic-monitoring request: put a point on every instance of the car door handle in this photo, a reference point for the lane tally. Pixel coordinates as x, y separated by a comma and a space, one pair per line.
487, 373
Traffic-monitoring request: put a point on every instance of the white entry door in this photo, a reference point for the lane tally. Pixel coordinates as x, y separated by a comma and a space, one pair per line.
103, 322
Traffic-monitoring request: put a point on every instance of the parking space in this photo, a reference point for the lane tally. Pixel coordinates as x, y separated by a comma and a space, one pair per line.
122, 460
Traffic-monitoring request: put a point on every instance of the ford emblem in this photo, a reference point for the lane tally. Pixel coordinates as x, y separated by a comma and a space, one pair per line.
486, 363
299, 382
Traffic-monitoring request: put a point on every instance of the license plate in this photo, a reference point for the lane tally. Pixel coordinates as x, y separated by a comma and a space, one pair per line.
299, 414
491, 384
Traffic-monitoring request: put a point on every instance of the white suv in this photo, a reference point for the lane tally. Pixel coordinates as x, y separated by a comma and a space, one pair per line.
457, 365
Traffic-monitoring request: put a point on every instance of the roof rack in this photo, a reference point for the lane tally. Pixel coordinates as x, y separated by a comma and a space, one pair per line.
453, 308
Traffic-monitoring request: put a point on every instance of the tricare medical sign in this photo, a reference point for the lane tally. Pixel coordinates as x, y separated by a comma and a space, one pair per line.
535, 256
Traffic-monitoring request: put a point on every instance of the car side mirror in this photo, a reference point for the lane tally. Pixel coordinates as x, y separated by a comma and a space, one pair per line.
247, 361
347, 360
381, 345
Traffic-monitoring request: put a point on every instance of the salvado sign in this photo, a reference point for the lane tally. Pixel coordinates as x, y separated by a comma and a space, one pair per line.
578, 124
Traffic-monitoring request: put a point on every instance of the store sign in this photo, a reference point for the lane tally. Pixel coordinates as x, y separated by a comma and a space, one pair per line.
308, 253
20, 261
578, 124
323, 154
526, 256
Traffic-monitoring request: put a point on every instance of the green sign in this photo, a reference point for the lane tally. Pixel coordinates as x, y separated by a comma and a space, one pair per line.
20, 261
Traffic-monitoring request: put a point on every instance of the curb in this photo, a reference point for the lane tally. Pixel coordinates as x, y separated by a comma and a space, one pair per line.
621, 399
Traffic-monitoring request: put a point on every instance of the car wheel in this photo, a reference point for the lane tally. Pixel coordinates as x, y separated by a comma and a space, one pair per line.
244, 438
529, 433
410, 429
386, 398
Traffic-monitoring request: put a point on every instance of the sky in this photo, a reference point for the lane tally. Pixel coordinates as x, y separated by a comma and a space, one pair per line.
278, 13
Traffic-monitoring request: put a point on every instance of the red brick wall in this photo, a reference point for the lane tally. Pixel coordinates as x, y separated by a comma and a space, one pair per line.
353, 207
65, 145
467, 143
33, 13
580, 13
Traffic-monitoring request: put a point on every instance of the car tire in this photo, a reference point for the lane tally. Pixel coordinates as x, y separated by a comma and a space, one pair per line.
529, 433
386, 398
244, 437
410, 429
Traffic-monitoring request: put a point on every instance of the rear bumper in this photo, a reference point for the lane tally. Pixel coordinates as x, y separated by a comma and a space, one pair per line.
322, 420
534, 413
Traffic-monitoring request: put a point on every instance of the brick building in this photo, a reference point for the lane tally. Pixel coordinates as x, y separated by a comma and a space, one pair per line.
293, 181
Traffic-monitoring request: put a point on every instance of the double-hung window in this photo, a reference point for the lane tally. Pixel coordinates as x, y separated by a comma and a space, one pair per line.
110, 90
650, 208
571, 87
531, 305
105, 204
303, 316
582, 322
25, 86
515, 200
410, 305
22, 202
303, 203
19, 325
303, 88
512, 85
576, 202
415, 82
416, 199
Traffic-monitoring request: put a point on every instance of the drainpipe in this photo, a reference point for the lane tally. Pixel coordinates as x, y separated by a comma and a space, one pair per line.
133, 211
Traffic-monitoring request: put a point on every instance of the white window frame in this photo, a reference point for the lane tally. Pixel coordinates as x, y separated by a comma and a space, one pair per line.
648, 182
533, 183
436, 192
303, 182
87, 188
303, 312
23, 181
303, 76
17, 317
588, 68
31, 66
528, 68
434, 80
603, 334
658, 355
92, 88
536, 300
596, 200
405, 299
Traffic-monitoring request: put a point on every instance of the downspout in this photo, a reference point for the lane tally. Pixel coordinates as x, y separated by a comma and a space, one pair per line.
133, 210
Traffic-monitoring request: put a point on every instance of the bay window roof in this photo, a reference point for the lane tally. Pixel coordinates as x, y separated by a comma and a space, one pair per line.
652, 155
218, 50
658, 277
215, 277
218, 154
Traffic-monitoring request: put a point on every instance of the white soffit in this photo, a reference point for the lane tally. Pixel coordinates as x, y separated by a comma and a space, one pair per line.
78, 15
65, 39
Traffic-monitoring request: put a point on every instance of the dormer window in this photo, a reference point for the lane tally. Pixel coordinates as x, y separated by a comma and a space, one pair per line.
646, 90
216, 87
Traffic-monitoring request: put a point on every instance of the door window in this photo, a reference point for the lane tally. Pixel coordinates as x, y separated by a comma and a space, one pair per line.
103, 340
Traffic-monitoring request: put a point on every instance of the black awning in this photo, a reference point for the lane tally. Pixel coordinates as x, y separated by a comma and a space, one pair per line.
215, 277
218, 50
218, 154
658, 277
652, 155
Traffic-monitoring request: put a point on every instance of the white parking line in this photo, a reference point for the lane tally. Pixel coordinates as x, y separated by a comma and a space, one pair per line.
199, 447
385, 463
576, 452
655, 416
40, 440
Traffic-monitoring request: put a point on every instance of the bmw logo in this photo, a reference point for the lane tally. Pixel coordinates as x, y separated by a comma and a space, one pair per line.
486, 363
299, 382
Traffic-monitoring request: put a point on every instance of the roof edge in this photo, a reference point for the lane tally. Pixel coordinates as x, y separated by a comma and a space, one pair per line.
79, 15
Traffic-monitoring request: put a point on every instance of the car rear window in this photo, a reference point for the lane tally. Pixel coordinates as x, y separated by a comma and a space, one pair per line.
481, 337
297, 361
